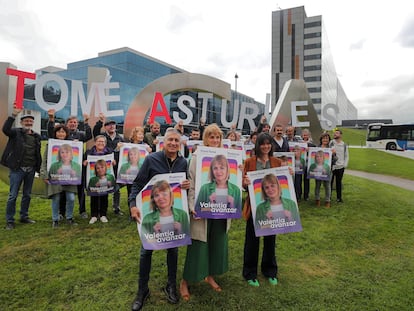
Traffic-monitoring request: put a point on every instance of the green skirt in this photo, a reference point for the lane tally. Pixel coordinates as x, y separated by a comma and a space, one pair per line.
211, 258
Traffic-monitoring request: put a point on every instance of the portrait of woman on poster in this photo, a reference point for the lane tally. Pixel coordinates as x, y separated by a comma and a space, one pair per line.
319, 167
219, 189
65, 166
130, 169
163, 216
274, 205
101, 178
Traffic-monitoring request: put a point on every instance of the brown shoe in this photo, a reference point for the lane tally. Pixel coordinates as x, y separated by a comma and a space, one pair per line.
318, 202
327, 204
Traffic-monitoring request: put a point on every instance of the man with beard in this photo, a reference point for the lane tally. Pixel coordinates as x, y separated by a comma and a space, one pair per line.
22, 157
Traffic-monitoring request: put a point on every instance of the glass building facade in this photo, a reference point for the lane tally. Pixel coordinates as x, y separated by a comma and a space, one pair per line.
133, 70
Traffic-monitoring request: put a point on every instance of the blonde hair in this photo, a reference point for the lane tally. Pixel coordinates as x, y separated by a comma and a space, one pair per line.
270, 179
134, 133
212, 129
221, 159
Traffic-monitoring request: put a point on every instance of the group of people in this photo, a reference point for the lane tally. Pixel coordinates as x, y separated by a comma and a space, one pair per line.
207, 255
340, 157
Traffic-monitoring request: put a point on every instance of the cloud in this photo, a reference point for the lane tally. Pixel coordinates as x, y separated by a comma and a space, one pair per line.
358, 45
406, 36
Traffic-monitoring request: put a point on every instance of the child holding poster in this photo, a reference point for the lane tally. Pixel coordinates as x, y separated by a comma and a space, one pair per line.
100, 182
219, 193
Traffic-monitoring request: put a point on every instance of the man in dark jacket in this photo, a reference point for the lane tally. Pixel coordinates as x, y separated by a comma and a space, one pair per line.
167, 161
22, 157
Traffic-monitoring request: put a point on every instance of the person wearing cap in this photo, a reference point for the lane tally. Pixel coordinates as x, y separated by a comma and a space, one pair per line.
22, 157
114, 141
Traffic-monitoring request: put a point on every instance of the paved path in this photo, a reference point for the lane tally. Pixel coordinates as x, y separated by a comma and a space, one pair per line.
396, 181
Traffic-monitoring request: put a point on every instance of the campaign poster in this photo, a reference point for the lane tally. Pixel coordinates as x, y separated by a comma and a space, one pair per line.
273, 202
319, 163
165, 221
160, 145
131, 157
248, 151
218, 183
64, 162
192, 146
287, 158
100, 178
300, 150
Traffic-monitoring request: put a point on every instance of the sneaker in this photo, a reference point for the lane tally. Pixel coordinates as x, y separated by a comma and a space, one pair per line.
254, 283
71, 222
273, 281
339, 201
84, 215
117, 211
93, 220
104, 219
55, 224
9, 226
60, 217
27, 220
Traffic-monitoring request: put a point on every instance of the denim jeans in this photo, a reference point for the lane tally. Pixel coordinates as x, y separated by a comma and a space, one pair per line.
17, 177
145, 267
70, 203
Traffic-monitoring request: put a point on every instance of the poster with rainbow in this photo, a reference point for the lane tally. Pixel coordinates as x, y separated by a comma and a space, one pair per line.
218, 183
319, 163
273, 202
287, 158
131, 157
165, 221
64, 162
300, 151
100, 177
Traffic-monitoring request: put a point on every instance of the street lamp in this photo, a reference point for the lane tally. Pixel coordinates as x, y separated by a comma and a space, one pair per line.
235, 78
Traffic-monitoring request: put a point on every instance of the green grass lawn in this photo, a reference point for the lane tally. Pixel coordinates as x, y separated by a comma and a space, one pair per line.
380, 162
355, 256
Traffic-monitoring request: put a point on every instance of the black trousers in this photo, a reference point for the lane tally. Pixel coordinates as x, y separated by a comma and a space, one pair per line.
338, 174
251, 254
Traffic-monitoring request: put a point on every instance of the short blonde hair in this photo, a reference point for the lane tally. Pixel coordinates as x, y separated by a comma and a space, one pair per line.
212, 129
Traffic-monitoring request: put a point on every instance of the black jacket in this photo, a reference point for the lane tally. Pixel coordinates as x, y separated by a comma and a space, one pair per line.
13, 154
154, 164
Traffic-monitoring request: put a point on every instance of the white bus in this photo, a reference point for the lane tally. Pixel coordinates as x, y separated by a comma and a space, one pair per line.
390, 136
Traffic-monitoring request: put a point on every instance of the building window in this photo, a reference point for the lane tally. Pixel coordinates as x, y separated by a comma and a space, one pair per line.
312, 35
313, 56
310, 68
313, 24
314, 90
316, 100
312, 46
313, 79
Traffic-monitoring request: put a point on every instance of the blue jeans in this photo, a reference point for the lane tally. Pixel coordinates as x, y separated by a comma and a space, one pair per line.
17, 177
70, 203
145, 267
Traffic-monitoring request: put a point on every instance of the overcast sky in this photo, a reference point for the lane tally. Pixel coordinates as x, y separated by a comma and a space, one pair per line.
372, 44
